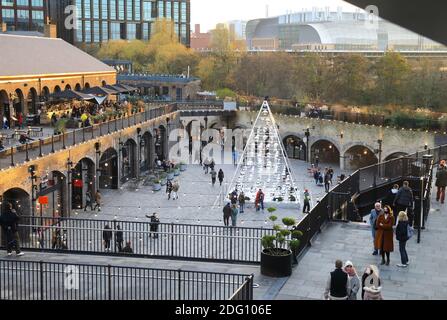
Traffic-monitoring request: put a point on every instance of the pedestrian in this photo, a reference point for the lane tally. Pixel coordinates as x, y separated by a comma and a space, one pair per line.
317, 161
241, 202
206, 165
88, 201
98, 198
441, 182
212, 164
327, 180
221, 176
404, 201
20, 120
2, 147
169, 189
119, 239
234, 197
155, 222
306, 206
331, 174
402, 235
337, 285
371, 284
354, 280
372, 222
384, 234
107, 237
259, 201
227, 214
9, 221
316, 177
213, 177
234, 213
127, 248
175, 189
56, 239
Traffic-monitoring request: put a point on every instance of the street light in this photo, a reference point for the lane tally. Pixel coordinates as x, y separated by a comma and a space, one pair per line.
32, 171
307, 134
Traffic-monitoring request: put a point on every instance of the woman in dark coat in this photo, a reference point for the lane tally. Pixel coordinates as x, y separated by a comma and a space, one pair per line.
384, 234
402, 237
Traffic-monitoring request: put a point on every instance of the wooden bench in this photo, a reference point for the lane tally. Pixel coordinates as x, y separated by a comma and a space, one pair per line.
35, 131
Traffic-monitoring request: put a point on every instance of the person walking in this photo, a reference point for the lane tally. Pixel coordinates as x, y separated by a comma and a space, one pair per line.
259, 201
98, 198
155, 222
354, 280
371, 284
88, 201
402, 237
404, 201
372, 222
327, 180
384, 234
213, 177
337, 285
441, 181
175, 189
317, 161
169, 189
316, 177
227, 214
206, 165
119, 239
306, 206
107, 237
234, 213
127, 248
221, 176
9, 221
241, 202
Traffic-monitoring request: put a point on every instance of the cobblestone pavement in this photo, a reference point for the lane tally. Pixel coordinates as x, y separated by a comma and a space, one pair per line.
196, 200
423, 279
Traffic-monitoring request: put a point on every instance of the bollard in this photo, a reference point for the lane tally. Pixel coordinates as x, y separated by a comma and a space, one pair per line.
63, 140
52, 143
74, 137
26, 152
12, 156
40, 147
83, 134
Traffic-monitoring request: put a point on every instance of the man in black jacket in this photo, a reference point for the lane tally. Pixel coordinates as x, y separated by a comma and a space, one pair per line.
337, 285
9, 222
404, 201
441, 182
227, 214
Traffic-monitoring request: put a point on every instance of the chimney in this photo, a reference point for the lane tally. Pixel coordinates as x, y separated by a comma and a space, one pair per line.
197, 29
4, 27
50, 31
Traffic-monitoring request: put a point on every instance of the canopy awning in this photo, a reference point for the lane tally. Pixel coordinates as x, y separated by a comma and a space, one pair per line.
126, 87
72, 95
116, 88
100, 91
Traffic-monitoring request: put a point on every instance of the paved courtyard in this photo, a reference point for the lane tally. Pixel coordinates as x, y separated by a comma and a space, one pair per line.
197, 200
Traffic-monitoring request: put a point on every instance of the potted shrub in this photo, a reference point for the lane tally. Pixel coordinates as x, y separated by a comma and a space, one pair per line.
157, 185
292, 198
170, 175
182, 166
276, 257
177, 170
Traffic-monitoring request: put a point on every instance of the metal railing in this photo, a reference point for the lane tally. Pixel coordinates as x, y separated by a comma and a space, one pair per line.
14, 155
169, 241
38, 280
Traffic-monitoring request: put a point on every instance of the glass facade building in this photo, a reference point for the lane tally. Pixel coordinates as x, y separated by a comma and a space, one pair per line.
103, 20
23, 15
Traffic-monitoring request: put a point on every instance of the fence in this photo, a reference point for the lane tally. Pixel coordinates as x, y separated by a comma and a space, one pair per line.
172, 241
42, 147
30, 280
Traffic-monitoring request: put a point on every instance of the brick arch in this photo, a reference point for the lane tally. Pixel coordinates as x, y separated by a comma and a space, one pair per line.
350, 145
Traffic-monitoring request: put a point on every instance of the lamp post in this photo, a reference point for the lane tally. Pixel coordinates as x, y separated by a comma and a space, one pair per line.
307, 134
70, 185
32, 171
138, 153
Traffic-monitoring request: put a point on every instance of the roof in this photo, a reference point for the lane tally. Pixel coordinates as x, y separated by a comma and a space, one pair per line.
156, 77
25, 55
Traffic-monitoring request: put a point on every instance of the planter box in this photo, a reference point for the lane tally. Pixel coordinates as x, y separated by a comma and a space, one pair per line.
156, 187
170, 176
276, 266
183, 167
164, 182
176, 172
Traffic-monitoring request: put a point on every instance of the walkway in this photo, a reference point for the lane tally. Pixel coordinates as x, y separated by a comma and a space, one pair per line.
424, 279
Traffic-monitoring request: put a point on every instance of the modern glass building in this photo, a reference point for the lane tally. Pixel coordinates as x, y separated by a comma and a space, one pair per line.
322, 29
103, 20
23, 15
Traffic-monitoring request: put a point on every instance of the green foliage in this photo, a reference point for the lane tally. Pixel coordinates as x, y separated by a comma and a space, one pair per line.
288, 221
225, 93
296, 234
284, 238
272, 218
271, 210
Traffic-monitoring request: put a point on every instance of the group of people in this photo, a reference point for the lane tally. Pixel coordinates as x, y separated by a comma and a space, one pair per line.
172, 189
107, 236
325, 178
344, 283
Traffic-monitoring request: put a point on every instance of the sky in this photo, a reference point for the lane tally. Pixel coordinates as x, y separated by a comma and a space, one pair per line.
208, 13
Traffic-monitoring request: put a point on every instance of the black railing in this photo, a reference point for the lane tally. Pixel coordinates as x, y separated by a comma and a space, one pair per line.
38, 280
42, 147
168, 241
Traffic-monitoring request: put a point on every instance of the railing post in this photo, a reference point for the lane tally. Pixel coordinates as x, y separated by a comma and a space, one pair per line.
109, 281
74, 137
12, 156
172, 239
41, 279
63, 140
93, 131
108, 127
52, 143
83, 134
179, 285
40, 147
100, 129
26, 152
